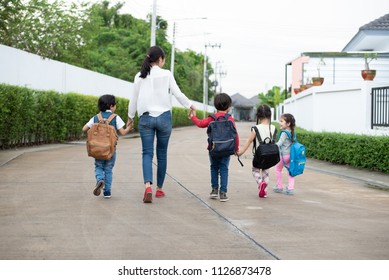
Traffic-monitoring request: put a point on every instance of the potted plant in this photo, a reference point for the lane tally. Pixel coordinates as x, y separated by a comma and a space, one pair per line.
318, 81
368, 74
301, 88
309, 83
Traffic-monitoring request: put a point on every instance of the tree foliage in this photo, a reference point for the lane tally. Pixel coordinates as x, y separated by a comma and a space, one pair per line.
41, 28
96, 37
273, 97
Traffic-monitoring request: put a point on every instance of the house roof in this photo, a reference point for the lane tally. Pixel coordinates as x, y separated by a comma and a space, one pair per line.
255, 100
239, 101
373, 36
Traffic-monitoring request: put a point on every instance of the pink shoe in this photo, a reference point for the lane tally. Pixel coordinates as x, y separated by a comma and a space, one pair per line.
159, 193
262, 187
148, 196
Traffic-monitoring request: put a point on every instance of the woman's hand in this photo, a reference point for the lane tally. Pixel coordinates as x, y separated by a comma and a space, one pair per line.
192, 113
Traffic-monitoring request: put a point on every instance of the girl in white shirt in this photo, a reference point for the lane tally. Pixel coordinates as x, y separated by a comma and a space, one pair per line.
151, 100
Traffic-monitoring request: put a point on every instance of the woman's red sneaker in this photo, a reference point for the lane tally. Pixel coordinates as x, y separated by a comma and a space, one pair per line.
148, 196
159, 193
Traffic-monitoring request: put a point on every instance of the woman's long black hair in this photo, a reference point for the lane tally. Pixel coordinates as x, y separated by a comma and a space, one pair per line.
153, 54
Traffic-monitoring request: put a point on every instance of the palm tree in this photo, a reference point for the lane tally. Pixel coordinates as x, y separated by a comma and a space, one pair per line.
272, 98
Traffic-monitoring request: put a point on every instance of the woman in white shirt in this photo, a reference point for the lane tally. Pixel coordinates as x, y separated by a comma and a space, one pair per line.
151, 100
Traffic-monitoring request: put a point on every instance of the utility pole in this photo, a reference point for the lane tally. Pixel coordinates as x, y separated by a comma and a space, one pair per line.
173, 49
153, 23
222, 75
219, 74
172, 58
215, 74
174, 45
205, 80
174, 40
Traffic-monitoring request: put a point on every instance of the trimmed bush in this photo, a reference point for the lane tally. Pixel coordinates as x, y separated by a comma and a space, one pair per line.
361, 151
32, 117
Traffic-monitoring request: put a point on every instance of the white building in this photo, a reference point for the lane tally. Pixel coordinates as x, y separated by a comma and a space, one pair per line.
345, 102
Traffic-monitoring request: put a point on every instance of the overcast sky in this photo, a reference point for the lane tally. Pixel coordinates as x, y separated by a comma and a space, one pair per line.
259, 37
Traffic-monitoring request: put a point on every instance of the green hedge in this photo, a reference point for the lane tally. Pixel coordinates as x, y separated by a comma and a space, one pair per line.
359, 151
31, 117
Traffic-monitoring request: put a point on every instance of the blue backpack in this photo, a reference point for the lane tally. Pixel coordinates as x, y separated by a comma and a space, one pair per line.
297, 156
221, 136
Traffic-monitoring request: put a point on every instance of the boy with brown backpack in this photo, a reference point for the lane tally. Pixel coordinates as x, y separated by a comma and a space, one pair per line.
101, 142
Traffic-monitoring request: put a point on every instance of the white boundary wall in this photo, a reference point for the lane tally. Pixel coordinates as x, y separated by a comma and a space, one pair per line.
24, 69
334, 108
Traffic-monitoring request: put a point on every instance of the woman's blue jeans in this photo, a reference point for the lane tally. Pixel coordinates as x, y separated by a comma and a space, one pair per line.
149, 127
219, 166
104, 171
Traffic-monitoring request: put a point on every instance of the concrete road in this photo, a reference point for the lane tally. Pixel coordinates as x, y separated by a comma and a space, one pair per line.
48, 211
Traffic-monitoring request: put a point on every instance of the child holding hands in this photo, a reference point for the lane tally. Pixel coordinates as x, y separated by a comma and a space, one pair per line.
104, 168
287, 122
266, 129
219, 163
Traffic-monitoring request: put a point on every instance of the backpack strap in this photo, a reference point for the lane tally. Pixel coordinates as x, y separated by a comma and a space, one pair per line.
258, 135
99, 118
290, 135
213, 117
287, 133
225, 117
241, 163
282, 154
275, 133
111, 117
271, 136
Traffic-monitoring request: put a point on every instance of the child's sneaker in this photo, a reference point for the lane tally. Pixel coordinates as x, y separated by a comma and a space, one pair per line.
262, 189
276, 189
290, 192
214, 193
223, 197
98, 187
107, 194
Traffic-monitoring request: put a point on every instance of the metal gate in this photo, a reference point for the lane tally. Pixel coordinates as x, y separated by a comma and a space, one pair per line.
380, 107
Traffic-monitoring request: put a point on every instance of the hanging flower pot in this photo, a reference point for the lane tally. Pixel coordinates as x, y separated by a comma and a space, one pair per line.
317, 81
368, 75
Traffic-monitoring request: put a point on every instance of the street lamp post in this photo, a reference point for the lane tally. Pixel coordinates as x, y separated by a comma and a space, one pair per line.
205, 80
153, 24
173, 49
